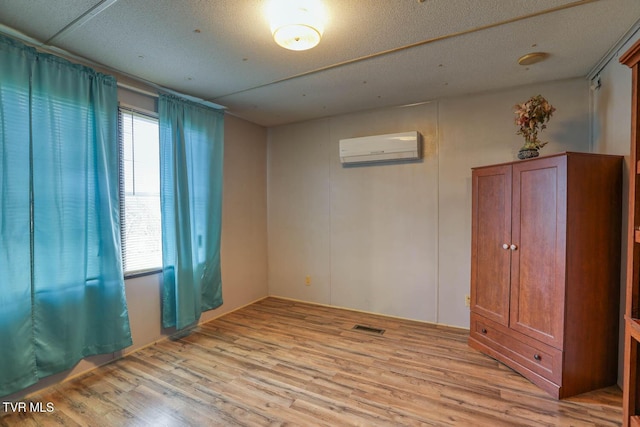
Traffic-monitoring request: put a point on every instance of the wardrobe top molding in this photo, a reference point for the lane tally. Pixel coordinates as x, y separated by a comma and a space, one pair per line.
564, 153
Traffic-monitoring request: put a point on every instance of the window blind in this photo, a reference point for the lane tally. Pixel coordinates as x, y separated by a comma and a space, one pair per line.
140, 219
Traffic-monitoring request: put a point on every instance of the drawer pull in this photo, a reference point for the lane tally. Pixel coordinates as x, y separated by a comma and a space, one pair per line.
537, 357
484, 331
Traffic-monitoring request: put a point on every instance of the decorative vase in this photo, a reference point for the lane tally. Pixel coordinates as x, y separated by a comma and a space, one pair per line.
528, 153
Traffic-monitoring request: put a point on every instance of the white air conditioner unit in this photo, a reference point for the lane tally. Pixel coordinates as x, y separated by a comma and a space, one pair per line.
380, 148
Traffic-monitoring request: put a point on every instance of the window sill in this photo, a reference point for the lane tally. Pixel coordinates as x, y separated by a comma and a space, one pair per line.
142, 273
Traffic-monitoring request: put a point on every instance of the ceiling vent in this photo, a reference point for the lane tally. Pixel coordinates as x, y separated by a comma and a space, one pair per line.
368, 329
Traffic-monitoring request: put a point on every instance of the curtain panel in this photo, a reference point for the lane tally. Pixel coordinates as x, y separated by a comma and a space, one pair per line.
61, 282
191, 160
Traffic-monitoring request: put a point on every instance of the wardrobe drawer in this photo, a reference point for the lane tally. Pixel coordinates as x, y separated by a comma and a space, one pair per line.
533, 355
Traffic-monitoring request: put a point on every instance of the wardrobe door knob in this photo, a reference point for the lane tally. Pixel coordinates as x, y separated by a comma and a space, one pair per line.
513, 247
505, 246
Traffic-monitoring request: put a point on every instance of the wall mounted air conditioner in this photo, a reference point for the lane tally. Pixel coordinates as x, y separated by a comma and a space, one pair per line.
380, 148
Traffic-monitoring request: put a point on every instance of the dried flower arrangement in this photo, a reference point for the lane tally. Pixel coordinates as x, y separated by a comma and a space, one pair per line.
531, 117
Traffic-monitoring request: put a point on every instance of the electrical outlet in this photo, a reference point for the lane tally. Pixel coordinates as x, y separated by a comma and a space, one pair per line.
307, 280
467, 300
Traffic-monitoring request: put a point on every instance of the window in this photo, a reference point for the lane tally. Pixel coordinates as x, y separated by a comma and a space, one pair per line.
139, 192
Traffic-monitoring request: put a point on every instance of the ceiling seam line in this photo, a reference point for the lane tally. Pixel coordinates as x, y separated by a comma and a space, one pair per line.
407, 47
82, 19
102, 68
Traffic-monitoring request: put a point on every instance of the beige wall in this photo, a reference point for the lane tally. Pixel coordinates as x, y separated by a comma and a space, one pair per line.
384, 219
366, 235
395, 239
611, 134
298, 211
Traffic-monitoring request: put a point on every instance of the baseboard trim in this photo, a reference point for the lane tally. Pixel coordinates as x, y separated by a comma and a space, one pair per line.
444, 325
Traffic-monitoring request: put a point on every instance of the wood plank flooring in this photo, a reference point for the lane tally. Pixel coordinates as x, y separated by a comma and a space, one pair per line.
279, 362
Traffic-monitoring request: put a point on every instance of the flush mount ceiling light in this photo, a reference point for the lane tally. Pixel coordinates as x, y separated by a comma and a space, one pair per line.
296, 24
532, 58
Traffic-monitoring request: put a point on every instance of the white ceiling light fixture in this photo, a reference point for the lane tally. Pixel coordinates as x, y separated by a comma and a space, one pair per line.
296, 24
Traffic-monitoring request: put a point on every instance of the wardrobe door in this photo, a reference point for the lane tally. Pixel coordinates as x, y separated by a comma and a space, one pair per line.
490, 242
538, 257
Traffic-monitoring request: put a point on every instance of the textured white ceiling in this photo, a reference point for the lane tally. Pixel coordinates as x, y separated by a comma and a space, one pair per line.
374, 53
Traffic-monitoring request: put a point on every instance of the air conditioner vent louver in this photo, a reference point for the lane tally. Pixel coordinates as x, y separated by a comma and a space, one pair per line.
381, 148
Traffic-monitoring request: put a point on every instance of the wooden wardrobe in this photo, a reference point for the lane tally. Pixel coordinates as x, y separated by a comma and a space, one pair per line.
545, 268
631, 385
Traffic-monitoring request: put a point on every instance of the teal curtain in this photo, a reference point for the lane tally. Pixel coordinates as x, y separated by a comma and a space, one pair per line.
61, 281
191, 157
17, 351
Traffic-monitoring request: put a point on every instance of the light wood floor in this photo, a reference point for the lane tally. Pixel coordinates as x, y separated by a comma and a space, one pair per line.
279, 362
